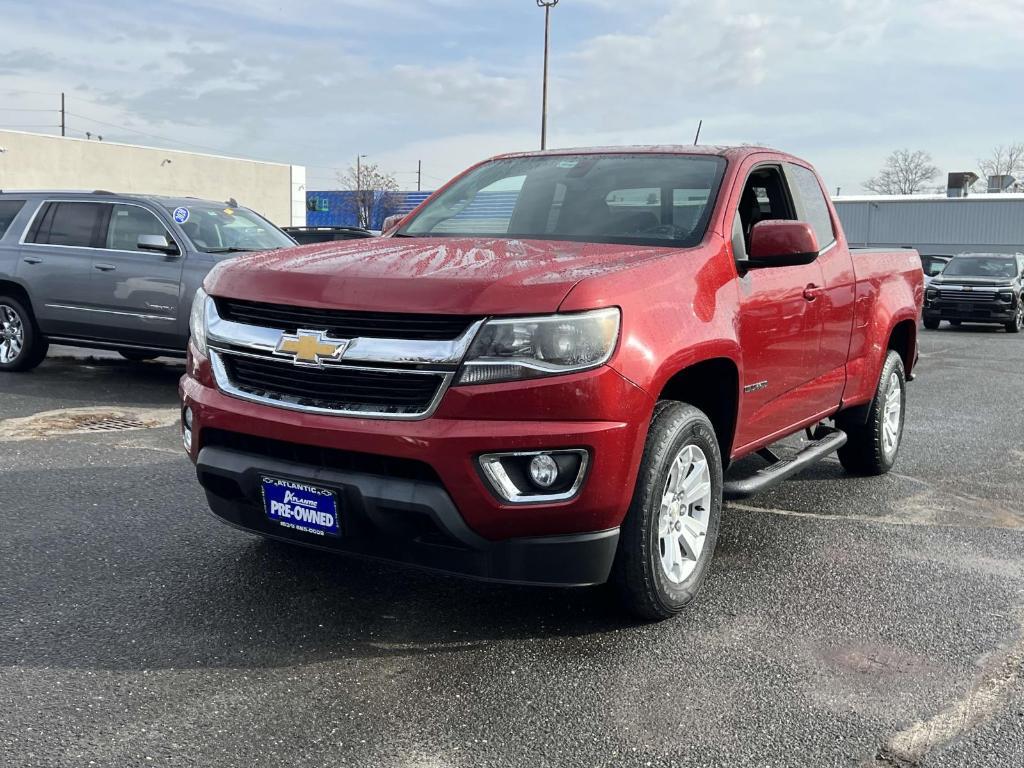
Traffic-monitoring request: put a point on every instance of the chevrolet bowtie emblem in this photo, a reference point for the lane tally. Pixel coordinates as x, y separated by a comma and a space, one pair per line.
311, 347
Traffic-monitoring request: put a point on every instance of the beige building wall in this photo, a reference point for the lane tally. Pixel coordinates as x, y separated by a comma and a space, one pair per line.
38, 161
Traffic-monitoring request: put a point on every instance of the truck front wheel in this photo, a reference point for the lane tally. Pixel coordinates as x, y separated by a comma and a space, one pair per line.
872, 446
669, 534
932, 324
1015, 325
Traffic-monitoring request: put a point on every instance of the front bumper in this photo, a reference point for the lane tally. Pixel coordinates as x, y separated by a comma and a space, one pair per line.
982, 312
412, 491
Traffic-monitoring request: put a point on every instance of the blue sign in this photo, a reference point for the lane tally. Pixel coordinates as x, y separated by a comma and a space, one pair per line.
301, 507
181, 215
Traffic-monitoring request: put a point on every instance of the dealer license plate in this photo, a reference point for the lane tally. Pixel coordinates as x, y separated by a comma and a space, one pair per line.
301, 507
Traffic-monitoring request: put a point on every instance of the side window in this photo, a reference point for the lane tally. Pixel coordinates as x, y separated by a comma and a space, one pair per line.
72, 224
8, 210
815, 211
765, 196
127, 223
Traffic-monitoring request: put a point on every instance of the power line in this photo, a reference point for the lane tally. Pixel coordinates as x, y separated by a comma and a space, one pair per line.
18, 109
144, 133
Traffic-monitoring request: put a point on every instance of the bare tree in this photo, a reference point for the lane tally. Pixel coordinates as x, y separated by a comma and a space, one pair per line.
904, 173
374, 191
1004, 161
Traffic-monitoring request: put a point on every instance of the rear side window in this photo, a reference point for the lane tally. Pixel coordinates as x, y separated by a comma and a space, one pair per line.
8, 210
815, 207
128, 223
71, 224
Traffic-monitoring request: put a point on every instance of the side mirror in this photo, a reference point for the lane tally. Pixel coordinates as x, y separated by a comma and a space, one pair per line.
782, 243
392, 222
158, 243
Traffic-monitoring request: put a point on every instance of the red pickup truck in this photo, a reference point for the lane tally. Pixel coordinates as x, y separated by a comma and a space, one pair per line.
544, 372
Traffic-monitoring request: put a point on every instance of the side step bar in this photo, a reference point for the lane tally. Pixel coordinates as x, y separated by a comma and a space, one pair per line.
782, 469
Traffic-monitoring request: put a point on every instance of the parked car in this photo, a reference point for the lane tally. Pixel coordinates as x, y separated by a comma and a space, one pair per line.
552, 394
307, 235
932, 265
111, 271
978, 288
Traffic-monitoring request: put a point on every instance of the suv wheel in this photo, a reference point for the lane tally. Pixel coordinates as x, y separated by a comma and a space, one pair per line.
670, 531
1015, 325
871, 447
932, 324
21, 346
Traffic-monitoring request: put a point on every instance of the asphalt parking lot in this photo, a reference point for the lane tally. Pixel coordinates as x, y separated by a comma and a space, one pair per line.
846, 622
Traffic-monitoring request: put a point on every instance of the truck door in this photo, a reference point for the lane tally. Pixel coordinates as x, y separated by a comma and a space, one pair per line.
780, 322
836, 300
137, 291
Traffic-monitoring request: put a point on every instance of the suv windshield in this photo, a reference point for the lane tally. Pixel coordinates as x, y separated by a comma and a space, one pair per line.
981, 266
643, 199
219, 228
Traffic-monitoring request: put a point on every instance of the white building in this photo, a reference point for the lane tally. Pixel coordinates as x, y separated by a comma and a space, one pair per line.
42, 161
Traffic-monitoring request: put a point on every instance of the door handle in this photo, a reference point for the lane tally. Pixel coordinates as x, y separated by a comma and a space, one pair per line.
32, 260
104, 267
811, 292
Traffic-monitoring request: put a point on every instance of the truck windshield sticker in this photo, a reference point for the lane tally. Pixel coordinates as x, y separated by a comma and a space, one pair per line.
181, 215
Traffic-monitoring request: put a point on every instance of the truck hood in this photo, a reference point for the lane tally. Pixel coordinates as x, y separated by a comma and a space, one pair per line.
981, 282
437, 275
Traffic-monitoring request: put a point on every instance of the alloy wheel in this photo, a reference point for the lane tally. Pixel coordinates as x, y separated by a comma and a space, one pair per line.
684, 514
12, 334
891, 415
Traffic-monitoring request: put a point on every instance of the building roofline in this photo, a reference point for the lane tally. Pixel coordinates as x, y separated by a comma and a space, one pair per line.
932, 198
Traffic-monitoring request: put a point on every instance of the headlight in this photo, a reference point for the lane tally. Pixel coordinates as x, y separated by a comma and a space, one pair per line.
197, 321
1006, 295
931, 293
529, 347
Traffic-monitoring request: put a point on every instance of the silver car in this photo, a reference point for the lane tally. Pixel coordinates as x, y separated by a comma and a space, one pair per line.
94, 269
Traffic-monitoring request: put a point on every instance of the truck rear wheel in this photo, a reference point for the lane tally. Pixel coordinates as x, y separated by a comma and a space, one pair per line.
669, 534
22, 348
872, 446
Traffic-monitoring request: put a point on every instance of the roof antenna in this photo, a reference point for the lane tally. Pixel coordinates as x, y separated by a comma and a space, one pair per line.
232, 202
697, 137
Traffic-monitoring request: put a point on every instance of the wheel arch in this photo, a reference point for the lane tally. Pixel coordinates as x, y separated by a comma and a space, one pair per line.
903, 341
18, 291
712, 386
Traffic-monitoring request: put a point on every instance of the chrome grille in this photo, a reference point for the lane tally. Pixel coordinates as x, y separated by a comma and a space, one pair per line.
371, 376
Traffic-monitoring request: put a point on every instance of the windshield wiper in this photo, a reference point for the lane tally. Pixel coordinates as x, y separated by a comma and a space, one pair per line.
232, 249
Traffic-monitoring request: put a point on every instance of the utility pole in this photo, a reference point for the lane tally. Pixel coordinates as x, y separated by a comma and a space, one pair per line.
547, 5
419, 176
62, 113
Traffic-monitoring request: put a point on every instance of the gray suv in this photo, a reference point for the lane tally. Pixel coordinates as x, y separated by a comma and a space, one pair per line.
95, 269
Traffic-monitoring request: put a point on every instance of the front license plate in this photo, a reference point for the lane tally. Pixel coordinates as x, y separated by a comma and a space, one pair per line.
301, 507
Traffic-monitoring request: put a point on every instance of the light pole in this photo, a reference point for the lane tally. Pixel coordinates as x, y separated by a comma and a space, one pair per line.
359, 172
547, 5
361, 213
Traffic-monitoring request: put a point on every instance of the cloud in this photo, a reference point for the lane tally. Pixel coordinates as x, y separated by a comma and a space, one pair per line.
449, 81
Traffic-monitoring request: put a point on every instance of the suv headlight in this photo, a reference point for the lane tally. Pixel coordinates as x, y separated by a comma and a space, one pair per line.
197, 321
509, 349
1006, 295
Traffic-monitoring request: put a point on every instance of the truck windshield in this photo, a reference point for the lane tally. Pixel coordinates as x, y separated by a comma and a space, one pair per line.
219, 228
975, 266
642, 199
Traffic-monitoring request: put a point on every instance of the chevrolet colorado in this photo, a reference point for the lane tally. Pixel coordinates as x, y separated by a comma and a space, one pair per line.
550, 390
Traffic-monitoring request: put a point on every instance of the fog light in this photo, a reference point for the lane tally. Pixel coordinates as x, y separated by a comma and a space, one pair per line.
543, 470
186, 429
532, 477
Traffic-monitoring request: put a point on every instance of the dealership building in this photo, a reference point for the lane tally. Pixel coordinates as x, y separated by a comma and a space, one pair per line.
958, 222
41, 161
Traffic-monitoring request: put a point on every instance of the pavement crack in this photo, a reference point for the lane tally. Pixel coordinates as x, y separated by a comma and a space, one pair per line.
981, 702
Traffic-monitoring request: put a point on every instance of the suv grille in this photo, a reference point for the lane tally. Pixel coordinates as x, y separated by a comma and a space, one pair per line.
343, 324
336, 388
975, 294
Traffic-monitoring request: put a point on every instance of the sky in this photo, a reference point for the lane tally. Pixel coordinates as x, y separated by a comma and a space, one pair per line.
840, 83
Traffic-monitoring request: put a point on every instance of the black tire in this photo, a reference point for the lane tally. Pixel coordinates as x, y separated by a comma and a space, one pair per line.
931, 324
1015, 325
137, 357
641, 581
33, 345
865, 452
